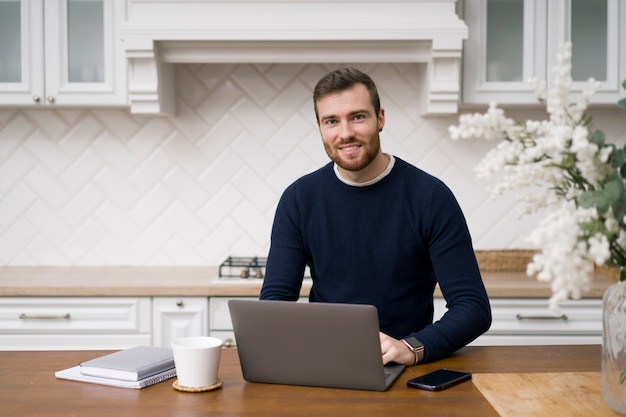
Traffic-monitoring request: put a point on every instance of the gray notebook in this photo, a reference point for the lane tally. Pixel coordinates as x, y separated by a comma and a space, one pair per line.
312, 344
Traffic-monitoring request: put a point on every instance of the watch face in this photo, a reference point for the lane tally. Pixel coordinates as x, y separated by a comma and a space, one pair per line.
414, 342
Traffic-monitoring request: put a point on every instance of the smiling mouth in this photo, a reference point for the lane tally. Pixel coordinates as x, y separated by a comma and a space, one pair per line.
349, 148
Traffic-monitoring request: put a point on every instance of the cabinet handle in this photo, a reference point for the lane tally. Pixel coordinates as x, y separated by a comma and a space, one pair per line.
50, 99
523, 317
229, 343
44, 316
36, 99
180, 303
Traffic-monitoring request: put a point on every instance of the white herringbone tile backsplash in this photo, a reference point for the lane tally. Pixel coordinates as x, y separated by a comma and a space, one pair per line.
105, 187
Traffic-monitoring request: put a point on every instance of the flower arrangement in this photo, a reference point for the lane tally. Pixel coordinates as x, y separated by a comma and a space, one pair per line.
565, 166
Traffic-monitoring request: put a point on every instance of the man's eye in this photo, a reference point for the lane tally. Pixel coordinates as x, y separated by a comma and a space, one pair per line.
330, 122
359, 117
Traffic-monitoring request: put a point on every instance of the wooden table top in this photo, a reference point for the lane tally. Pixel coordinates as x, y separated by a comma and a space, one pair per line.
28, 387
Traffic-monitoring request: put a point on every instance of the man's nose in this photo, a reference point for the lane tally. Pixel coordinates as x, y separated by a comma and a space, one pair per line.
346, 131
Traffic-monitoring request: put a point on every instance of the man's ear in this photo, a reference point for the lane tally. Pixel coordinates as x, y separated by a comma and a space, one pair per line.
381, 119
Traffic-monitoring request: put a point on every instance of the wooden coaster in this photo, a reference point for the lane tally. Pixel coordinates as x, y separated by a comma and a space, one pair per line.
178, 387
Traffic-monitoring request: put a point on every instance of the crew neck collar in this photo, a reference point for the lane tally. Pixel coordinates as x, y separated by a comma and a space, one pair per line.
392, 161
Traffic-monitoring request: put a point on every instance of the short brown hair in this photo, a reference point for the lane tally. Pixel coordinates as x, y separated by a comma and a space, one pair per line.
342, 79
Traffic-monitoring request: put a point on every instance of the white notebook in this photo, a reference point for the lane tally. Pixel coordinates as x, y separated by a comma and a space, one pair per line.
74, 374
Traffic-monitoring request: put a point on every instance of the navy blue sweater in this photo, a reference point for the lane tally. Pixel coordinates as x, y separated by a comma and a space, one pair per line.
385, 244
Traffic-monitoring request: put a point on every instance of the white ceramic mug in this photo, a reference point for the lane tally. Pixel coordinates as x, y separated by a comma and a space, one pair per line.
197, 360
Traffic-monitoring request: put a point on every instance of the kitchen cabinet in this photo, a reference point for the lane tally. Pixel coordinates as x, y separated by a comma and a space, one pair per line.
516, 321
511, 41
48, 323
176, 317
74, 323
62, 53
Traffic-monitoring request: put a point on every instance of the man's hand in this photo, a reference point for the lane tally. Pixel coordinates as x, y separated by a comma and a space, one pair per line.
395, 350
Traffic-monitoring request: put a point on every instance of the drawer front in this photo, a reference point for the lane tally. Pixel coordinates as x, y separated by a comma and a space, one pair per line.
530, 322
520, 317
54, 315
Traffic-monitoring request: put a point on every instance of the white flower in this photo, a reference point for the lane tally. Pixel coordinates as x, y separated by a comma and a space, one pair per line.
491, 125
552, 164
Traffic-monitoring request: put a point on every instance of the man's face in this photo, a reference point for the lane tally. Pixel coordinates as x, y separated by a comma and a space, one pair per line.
349, 127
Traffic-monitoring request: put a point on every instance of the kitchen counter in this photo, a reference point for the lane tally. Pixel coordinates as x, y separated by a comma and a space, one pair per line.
203, 282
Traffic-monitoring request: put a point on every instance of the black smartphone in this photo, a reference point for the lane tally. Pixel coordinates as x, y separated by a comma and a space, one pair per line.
439, 379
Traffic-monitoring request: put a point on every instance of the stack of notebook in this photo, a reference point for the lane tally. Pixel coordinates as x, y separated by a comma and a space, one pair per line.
136, 367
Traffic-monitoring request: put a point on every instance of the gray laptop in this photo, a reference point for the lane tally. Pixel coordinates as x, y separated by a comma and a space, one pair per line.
313, 344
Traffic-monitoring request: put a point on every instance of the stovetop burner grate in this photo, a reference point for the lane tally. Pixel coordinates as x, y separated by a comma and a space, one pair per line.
243, 267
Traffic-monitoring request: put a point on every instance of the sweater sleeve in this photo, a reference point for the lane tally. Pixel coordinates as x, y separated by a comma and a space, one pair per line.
456, 271
287, 256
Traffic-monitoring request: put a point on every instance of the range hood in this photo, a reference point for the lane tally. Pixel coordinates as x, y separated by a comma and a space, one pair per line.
160, 33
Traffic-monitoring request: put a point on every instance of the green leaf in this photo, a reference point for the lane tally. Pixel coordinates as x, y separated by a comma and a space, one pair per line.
587, 199
597, 199
597, 138
622, 103
619, 210
622, 376
614, 190
611, 195
624, 84
617, 158
617, 185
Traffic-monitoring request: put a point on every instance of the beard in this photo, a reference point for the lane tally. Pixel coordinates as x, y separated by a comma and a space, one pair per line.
370, 150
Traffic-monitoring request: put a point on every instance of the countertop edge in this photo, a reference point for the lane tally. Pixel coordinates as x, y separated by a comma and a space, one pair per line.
203, 282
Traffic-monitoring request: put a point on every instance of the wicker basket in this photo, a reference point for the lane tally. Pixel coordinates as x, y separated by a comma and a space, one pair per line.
507, 260
516, 260
606, 270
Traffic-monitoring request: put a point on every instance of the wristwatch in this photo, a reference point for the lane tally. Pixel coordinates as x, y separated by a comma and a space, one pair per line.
415, 346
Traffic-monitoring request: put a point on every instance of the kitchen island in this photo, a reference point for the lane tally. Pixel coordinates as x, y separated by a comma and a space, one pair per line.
28, 387
103, 308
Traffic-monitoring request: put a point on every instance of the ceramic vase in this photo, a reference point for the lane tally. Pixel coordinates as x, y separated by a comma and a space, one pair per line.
614, 347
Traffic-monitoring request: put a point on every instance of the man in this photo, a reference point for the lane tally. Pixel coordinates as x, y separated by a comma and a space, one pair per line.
374, 229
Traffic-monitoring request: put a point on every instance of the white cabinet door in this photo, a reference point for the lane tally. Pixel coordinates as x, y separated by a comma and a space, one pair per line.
511, 41
21, 52
176, 317
69, 53
596, 30
506, 46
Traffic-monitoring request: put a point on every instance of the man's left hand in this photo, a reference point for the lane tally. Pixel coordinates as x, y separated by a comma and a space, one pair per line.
395, 350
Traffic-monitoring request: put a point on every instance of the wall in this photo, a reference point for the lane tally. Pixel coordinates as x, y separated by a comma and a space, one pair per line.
105, 187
